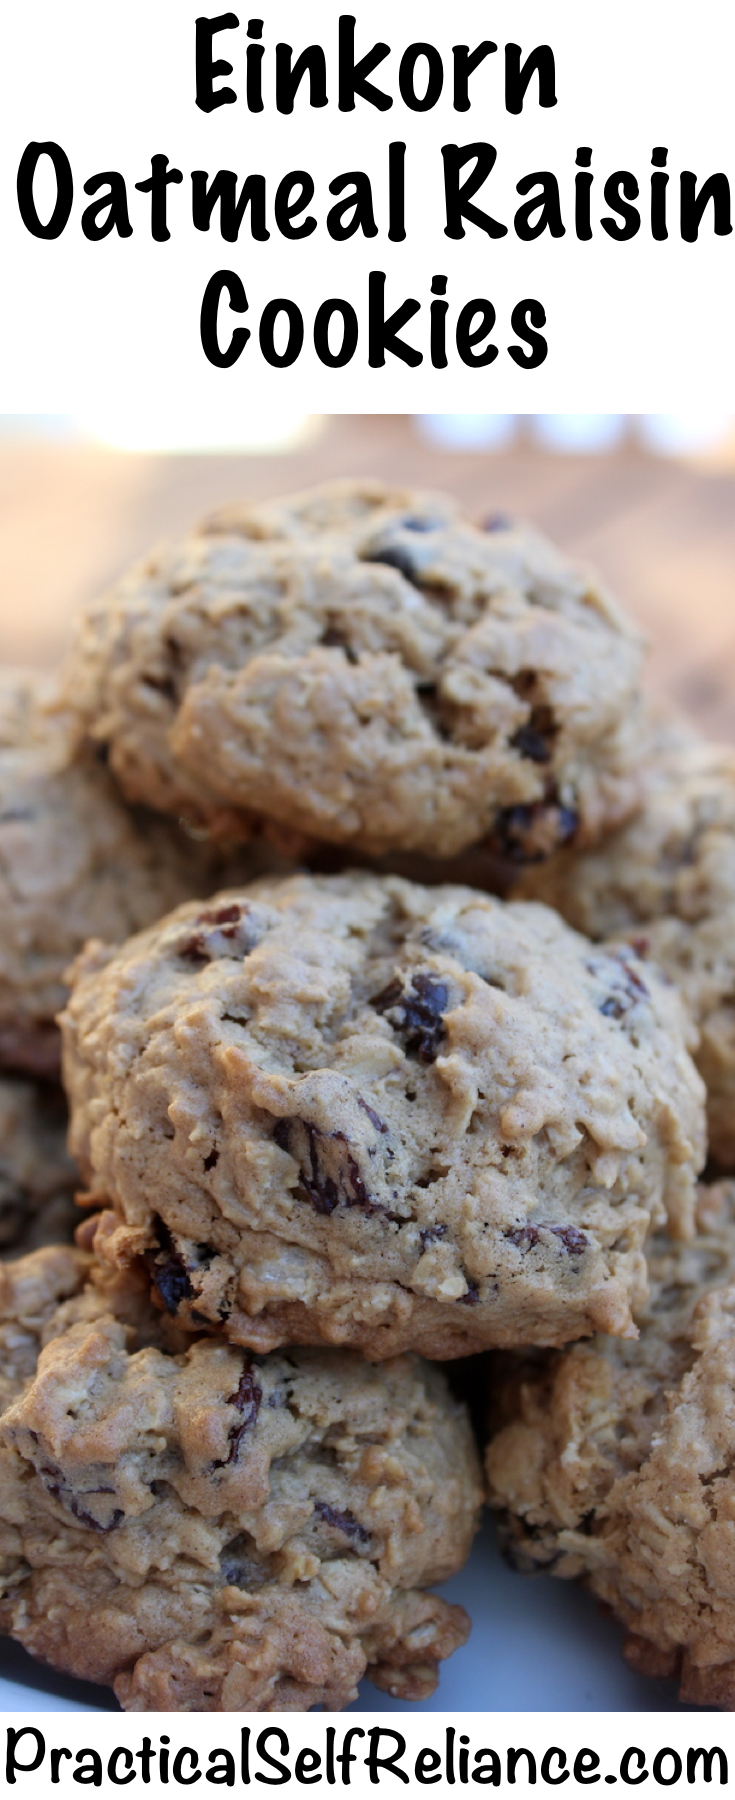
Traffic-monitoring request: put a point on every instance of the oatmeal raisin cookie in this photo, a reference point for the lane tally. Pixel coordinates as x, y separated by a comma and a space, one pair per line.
613, 1463
355, 1110
363, 666
207, 1531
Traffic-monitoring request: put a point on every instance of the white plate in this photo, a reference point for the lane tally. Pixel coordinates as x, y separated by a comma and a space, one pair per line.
537, 1645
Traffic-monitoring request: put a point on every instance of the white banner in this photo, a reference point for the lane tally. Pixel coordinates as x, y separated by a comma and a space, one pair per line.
411, 207
516, 1750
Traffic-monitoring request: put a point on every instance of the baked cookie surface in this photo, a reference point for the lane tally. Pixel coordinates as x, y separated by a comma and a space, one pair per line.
612, 1463
75, 862
355, 1110
212, 1533
666, 881
363, 666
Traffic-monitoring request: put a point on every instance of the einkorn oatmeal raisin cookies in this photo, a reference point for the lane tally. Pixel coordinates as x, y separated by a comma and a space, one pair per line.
363, 666
356, 1110
75, 862
211, 1532
613, 1463
666, 881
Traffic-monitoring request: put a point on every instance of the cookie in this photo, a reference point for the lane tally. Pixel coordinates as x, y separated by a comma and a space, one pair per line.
75, 862
666, 882
355, 1110
37, 1175
208, 1532
363, 666
613, 1463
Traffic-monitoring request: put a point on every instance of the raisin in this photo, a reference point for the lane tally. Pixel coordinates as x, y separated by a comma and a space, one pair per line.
333, 639
167, 1270
419, 1013
399, 555
55, 1485
528, 834
192, 949
387, 997
342, 1521
396, 557
568, 824
227, 914
172, 1283
241, 1566
511, 830
246, 1398
423, 1017
374, 1117
626, 991
330, 1174
497, 522
432, 1233
116, 1516
636, 984
530, 744
224, 930
534, 739
523, 1237
574, 1241
472, 1296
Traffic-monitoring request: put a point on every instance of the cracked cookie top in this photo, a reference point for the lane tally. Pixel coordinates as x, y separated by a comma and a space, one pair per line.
614, 1462
364, 666
212, 1531
354, 1109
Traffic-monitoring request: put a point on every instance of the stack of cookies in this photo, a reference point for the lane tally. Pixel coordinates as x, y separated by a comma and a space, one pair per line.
388, 939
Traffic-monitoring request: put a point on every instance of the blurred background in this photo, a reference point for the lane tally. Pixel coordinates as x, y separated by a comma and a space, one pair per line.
648, 499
